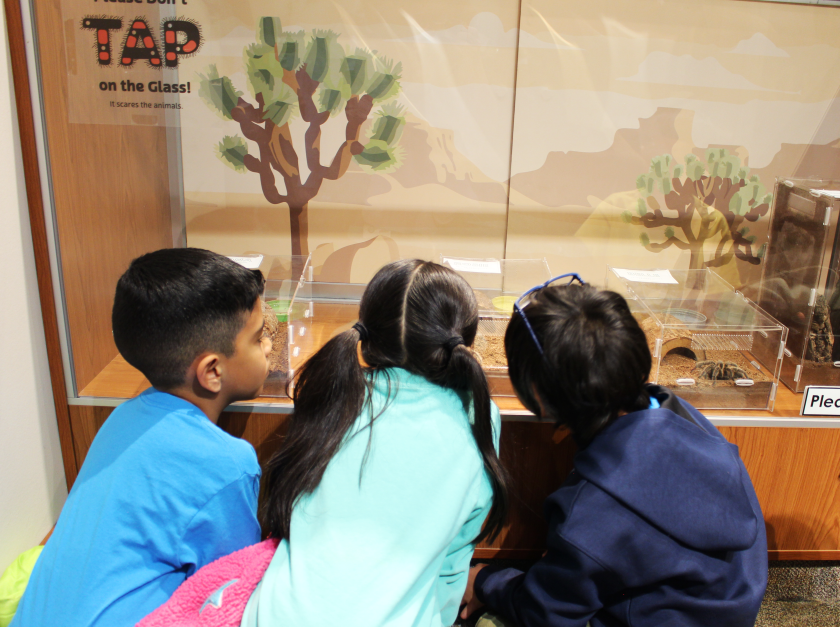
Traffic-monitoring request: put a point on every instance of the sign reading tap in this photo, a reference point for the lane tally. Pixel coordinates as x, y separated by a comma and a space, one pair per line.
821, 400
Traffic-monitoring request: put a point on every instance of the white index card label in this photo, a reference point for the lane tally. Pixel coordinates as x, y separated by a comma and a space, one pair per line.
828, 192
646, 276
492, 266
252, 262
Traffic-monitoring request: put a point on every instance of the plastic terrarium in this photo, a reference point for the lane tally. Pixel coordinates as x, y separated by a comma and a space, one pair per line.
710, 344
800, 285
497, 284
288, 311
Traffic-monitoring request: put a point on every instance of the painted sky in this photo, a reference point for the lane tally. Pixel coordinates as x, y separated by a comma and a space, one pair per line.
756, 75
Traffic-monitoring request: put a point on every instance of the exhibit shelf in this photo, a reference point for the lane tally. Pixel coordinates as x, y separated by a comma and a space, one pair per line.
119, 381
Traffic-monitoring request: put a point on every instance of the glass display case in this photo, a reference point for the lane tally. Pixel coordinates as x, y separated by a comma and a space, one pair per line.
497, 284
800, 286
192, 135
710, 344
289, 312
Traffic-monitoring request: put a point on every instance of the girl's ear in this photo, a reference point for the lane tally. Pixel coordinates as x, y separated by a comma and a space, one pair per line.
208, 372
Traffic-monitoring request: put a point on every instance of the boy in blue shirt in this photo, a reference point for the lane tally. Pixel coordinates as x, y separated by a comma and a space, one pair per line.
658, 523
163, 490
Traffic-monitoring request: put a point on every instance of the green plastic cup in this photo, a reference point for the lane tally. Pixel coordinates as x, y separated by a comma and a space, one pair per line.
280, 308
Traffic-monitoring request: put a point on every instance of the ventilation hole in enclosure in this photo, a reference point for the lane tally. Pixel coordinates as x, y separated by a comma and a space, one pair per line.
682, 351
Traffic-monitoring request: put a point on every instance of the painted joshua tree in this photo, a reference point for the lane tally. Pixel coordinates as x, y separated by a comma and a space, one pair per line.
701, 199
291, 74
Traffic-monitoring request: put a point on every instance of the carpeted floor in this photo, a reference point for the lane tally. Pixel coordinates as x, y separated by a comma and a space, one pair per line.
799, 594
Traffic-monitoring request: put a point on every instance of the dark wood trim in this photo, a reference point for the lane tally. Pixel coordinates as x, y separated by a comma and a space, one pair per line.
37, 220
47, 537
817, 555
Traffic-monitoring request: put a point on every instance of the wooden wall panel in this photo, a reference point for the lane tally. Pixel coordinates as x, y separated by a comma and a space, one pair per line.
796, 473
264, 431
111, 192
538, 460
86, 421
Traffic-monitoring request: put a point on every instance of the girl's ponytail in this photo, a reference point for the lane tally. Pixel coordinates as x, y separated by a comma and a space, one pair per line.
329, 393
414, 315
463, 372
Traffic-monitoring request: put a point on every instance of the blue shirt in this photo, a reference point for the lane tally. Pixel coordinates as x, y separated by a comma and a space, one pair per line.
163, 491
387, 536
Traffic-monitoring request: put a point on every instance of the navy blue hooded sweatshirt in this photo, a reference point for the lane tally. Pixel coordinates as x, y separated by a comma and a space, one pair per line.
658, 524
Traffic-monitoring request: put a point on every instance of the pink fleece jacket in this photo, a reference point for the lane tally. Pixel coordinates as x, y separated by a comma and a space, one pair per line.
217, 594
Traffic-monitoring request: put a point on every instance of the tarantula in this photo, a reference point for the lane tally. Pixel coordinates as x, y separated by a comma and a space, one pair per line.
720, 370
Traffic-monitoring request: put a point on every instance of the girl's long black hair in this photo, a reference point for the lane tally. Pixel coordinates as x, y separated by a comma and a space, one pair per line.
410, 312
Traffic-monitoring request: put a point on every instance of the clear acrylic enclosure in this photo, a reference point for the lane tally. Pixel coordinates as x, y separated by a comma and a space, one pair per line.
497, 284
289, 311
710, 344
800, 285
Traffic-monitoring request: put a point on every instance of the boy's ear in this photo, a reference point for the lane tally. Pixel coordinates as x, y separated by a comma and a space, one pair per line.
208, 372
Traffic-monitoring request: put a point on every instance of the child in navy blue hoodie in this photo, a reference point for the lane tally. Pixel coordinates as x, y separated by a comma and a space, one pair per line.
658, 523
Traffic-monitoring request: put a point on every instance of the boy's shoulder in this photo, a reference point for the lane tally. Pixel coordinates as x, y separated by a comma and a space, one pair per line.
159, 426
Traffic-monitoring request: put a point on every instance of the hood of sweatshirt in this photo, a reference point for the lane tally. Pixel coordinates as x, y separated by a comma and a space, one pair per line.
671, 467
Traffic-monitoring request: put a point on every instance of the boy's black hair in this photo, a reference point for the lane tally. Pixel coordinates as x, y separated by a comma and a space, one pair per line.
415, 315
596, 358
172, 305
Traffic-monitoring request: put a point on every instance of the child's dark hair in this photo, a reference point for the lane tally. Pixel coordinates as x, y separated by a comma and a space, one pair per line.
413, 315
596, 358
173, 304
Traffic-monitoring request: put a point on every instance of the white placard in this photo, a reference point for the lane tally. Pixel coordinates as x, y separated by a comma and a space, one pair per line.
828, 192
821, 400
252, 262
646, 276
473, 265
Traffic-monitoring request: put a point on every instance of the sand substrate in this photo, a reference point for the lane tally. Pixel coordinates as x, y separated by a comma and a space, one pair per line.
651, 329
819, 373
278, 359
673, 367
491, 350
484, 302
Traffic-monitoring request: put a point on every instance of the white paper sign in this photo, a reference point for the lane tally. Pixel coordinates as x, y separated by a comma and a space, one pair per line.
821, 400
827, 192
471, 265
646, 276
252, 262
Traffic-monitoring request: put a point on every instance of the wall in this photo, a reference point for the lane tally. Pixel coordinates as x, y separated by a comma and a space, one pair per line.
32, 486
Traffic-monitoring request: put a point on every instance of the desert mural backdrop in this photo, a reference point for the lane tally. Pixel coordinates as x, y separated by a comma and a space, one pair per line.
640, 134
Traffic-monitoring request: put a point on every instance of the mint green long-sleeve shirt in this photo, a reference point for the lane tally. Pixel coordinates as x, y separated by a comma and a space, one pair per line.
386, 542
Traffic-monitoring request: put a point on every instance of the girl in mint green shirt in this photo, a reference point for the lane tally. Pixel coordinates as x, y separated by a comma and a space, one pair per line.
389, 468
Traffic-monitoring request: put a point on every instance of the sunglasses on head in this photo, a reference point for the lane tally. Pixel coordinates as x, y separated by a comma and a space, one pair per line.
522, 301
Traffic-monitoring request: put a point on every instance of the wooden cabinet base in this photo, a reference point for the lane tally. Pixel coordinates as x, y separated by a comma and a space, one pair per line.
796, 473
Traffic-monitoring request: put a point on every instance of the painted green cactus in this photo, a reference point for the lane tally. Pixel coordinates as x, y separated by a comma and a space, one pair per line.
310, 76
698, 200
383, 151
